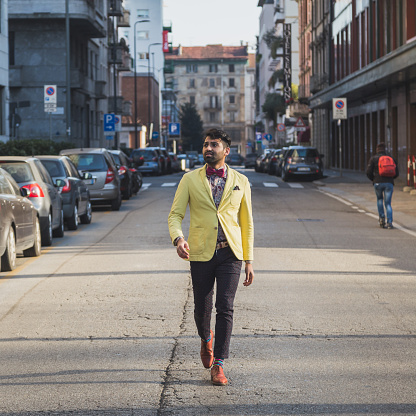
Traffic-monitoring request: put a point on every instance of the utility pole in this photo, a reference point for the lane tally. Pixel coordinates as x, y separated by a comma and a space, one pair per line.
68, 72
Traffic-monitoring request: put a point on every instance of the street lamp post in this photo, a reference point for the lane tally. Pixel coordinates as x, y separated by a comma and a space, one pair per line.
135, 82
148, 84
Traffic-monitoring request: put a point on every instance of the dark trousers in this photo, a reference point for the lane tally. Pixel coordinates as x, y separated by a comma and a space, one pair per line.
225, 268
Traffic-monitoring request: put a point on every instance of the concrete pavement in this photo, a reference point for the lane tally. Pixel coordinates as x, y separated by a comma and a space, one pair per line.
357, 189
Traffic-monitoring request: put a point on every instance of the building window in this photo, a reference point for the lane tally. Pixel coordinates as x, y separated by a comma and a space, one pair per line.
192, 83
191, 68
213, 68
142, 55
213, 101
192, 99
232, 99
212, 117
11, 49
232, 116
142, 34
231, 68
143, 13
212, 82
231, 82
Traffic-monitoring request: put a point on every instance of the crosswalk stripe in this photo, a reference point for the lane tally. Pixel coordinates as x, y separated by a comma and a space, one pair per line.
295, 185
169, 184
270, 185
145, 186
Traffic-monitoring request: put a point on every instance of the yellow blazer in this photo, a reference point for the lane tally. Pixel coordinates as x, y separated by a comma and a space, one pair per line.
234, 214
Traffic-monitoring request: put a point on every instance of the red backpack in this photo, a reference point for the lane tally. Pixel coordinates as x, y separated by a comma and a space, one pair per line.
386, 166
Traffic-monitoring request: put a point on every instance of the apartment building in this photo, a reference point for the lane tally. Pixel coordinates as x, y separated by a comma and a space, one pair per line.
364, 51
38, 57
4, 72
213, 78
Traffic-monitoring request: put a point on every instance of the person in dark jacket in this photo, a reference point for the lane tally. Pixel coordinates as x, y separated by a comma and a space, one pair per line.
383, 187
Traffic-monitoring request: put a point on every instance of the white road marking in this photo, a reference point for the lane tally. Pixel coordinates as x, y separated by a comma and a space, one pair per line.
145, 186
169, 184
270, 185
296, 185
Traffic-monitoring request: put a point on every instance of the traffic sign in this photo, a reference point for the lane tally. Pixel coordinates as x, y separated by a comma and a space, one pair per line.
339, 108
267, 136
300, 122
49, 94
155, 135
117, 123
258, 137
281, 127
109, 124
174, 129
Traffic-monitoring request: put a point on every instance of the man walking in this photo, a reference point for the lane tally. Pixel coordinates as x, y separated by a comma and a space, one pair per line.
382, 170
221, 236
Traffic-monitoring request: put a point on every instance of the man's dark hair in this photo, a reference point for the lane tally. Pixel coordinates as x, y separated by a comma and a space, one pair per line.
381, 147
218, 134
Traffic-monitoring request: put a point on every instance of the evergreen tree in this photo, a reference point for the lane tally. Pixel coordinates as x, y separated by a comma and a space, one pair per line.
192, 127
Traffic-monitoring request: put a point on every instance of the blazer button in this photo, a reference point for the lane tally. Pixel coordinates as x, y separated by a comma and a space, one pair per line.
215, 228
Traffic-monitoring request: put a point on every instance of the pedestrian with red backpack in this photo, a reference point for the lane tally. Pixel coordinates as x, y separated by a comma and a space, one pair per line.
382, 170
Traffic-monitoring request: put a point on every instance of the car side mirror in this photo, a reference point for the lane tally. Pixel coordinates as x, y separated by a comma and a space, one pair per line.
60, 183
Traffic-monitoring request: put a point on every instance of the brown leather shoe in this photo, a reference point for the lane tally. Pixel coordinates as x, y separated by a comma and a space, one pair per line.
217, 376
207, 354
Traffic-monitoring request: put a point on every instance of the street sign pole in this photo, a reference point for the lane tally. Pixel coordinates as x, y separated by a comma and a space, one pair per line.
339, 112
340, 147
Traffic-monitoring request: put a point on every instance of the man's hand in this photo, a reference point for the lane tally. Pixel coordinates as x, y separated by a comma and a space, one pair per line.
249, 275
182, 248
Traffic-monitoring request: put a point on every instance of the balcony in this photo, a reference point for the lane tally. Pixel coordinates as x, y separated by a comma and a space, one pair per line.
319, 82
207, 107
100, 90
115, 8
125, 61
119, 104
124, 21
169, 68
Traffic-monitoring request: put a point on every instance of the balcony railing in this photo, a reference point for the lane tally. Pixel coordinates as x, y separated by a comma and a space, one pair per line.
124, 21
319, 82
100, 90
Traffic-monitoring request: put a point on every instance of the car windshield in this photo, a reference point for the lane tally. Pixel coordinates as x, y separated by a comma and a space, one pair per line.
147, 155
54, 168
89, 162
20, 171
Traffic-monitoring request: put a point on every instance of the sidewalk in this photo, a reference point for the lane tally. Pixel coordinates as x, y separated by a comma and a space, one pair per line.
357, 189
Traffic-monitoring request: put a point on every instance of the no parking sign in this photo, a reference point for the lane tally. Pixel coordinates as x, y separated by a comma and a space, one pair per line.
339, 108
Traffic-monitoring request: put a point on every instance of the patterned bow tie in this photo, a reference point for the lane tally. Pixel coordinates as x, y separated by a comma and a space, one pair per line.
218, 172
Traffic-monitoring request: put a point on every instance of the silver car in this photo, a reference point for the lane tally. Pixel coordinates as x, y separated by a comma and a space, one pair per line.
105, 187
29, 173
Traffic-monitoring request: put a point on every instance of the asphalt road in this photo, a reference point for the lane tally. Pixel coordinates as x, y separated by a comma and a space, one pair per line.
102, 322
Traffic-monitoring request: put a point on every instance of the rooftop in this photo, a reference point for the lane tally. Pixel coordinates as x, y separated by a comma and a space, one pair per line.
208, 52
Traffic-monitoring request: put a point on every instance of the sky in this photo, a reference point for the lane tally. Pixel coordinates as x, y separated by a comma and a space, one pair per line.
207, 22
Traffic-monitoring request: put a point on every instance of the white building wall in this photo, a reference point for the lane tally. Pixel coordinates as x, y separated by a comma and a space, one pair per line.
147, 33
4, 73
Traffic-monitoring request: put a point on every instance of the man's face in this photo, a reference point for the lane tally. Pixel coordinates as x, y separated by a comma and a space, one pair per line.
214, 151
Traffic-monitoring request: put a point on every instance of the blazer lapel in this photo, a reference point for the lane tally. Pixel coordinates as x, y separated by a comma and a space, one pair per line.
228, 185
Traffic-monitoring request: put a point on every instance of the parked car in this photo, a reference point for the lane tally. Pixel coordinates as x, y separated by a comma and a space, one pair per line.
280, 161
260, 163
105, 189
273, 161
175, 162
189, 161
302, 162
250, 160
19, 223
75, 194
147, 160
234, 159
126, 175
30, 174
168, 162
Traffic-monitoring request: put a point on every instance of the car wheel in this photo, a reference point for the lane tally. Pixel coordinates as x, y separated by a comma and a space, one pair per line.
47, 232
59, 232
8, 259
116, 203
87, 217
72, 221
36, 249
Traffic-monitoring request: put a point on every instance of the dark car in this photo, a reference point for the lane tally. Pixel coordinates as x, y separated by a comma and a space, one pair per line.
250, 160
75, 194
29, 173
19, 223
105, 189
126, 175
302, 162
147, 160
260, 163
167, 160
234, 159
273, 161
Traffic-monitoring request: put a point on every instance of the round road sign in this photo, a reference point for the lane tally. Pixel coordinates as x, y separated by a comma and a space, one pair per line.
339, 104
280, 127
